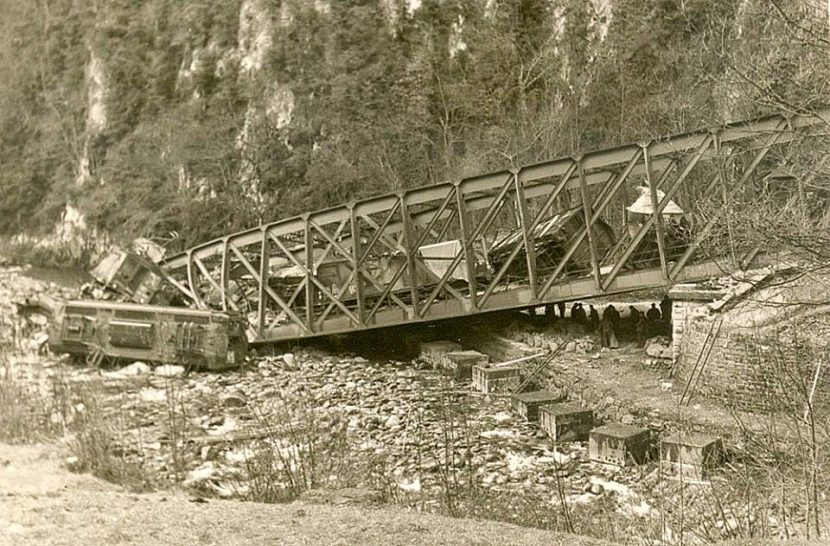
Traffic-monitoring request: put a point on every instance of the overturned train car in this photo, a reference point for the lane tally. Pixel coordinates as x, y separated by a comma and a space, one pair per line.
209, 340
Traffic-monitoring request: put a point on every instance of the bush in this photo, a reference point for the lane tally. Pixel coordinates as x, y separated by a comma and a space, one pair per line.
99, 450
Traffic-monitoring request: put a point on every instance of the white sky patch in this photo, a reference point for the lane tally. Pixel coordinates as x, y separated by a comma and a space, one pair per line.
412, 5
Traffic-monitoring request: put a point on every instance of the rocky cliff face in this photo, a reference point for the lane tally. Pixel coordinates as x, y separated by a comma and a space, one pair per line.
149, 118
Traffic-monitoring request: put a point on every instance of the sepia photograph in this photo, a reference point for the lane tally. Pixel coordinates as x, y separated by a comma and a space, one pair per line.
415, 272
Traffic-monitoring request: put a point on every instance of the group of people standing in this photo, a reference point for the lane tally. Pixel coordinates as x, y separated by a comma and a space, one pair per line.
644, 325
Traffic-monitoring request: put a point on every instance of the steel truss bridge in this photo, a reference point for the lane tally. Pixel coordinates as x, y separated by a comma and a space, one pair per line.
614, 220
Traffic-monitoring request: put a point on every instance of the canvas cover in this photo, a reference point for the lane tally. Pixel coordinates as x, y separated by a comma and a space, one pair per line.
643, 203
438, 258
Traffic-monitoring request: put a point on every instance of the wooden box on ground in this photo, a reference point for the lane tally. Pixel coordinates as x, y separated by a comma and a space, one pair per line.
527, 404
566, 422
488, 378
433, 351
459, 364
620, 445
692, 456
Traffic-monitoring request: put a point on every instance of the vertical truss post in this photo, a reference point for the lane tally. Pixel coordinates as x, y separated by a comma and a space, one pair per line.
467, 244
224, 274
309, 273
657, 216
624, 216
587, 213
191, 280
722, 175
527, 234
357, 254
264, 272
411, 251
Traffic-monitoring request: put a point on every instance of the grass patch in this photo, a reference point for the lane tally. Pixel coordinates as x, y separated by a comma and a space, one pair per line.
100, 447
305, 448
26, 415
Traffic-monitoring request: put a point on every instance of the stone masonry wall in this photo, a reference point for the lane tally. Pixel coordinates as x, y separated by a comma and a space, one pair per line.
684, 313
753, 373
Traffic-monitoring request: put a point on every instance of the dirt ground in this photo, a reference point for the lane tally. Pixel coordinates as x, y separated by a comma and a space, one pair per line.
624, 377
41, 502
619, 373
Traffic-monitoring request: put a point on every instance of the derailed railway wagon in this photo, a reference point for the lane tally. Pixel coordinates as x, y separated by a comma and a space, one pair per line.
103, 330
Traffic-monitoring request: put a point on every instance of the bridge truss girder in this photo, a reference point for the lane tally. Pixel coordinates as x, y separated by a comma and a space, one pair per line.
363, 265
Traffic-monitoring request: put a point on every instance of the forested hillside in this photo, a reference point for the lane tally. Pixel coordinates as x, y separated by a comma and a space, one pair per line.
202, 116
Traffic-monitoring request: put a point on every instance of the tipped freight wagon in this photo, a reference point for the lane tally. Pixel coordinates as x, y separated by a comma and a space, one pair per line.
210, 340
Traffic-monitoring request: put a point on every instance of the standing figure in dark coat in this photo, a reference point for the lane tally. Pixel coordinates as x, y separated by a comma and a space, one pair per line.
634, 317
593, 318
642, 328
561, 306
611, 314
610, 324
607, 336
653, 314
665, 308
578, 314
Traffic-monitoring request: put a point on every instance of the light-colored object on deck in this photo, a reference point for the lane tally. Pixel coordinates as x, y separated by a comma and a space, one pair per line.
439, 256
643, 203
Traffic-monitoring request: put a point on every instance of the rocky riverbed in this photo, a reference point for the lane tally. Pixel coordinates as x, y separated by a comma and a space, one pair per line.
312, 423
